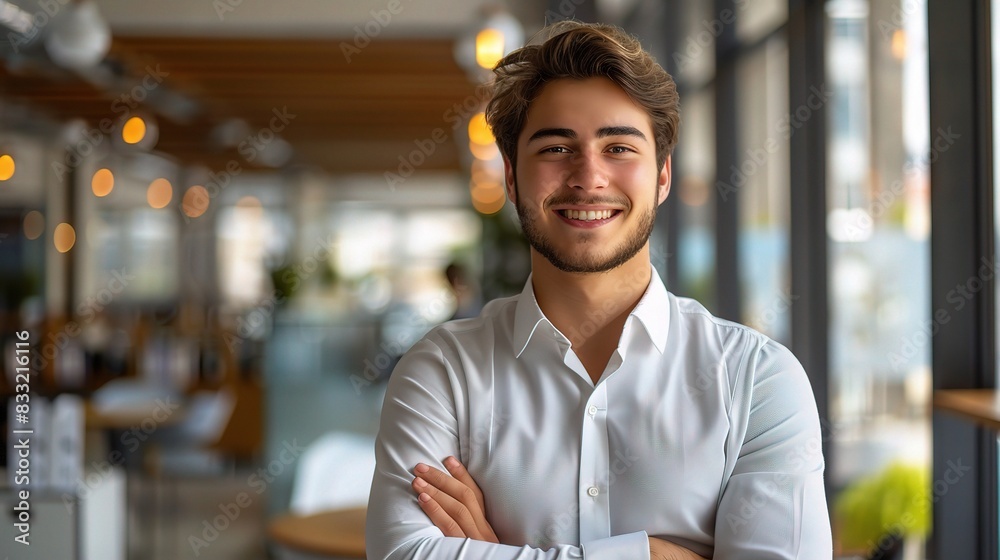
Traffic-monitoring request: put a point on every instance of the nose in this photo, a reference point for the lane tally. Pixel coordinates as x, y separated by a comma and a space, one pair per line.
587, 172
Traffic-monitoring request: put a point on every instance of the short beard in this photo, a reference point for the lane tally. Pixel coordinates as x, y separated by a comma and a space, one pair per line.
622, 254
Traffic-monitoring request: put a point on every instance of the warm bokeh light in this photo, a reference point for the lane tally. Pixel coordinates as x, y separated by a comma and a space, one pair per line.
64, 237
694, 191
249, 201
195, 201
103, 182
483, 174
489, 48
159, 193
484, 152
488, 198
134, 130
34, 224
899, 44
6, 167
479, 131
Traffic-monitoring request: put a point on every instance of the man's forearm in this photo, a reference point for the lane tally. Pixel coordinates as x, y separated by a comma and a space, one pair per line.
660, 549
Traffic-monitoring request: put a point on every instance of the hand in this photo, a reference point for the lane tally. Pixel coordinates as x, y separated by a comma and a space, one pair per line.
660, 549
454, 503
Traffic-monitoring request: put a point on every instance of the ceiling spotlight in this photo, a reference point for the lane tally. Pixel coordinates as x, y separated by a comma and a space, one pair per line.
79, 37
137, 129
481, 47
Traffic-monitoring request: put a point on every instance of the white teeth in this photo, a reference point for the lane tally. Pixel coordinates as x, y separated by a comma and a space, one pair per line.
588, 215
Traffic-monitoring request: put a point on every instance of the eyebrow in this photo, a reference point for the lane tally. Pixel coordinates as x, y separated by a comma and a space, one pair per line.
601, 133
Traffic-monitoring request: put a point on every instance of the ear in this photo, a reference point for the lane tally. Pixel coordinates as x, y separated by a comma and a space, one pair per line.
508, 174
663, 181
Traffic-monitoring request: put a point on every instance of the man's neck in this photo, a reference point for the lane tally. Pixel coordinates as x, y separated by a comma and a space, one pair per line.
584, 306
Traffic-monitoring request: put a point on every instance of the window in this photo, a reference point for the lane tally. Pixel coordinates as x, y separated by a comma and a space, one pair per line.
761, 181
878, 224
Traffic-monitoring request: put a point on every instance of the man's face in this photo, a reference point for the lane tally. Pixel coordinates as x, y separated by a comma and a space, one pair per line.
587, 185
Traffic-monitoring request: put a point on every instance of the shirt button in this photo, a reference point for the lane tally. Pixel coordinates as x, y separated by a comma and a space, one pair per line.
592, 491
592, 410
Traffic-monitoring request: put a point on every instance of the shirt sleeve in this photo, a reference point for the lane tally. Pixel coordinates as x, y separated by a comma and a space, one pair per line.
774, 504
419, 423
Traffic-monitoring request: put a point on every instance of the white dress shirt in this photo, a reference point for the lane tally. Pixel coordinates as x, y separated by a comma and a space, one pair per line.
700, 431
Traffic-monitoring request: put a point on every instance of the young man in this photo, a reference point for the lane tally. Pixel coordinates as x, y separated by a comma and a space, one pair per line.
595, 415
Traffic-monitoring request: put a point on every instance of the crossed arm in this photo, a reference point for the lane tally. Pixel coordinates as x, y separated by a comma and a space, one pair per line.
455, 504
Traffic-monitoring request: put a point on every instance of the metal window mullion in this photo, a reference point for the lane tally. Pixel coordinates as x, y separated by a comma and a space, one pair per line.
962, 230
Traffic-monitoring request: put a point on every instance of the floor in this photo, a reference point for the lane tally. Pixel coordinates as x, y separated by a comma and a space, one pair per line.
219, 518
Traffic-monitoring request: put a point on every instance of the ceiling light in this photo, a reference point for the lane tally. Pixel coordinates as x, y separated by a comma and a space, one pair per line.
64, 237
479, 49
79, 37
102, 182
159, 193
134, 130
6, 167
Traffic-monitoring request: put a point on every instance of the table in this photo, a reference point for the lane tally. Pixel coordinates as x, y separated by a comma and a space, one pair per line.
982, 406
96, 418
333, 533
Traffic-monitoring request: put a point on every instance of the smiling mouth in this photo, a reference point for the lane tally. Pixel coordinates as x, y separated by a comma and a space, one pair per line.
588, 215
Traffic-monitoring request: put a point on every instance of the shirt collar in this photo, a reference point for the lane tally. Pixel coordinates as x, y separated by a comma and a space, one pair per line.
653, 311
527, 316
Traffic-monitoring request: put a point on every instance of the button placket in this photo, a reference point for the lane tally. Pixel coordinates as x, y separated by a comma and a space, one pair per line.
595, 507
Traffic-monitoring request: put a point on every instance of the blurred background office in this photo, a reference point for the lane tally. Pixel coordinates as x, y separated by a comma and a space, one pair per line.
221, 224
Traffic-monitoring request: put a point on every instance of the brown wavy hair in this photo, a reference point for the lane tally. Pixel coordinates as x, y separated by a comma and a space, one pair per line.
582, 50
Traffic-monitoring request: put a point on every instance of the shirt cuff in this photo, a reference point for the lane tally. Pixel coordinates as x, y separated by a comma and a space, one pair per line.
631, 546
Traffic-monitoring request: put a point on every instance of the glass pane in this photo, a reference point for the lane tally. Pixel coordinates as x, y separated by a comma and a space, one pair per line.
695, 59
761, 180
246, 233
756, 18
878, 225
694, 159
693, 189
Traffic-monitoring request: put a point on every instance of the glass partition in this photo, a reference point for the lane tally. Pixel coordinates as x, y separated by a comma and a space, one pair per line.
878, 225
761, 183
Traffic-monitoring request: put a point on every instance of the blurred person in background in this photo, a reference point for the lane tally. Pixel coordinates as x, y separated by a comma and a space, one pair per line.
467, 301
